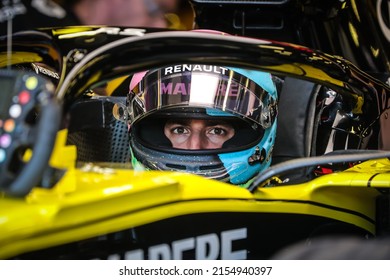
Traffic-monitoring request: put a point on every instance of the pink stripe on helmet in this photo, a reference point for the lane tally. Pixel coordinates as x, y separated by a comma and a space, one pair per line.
136, 79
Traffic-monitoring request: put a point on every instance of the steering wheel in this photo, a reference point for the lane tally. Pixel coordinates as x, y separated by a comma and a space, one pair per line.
30, 116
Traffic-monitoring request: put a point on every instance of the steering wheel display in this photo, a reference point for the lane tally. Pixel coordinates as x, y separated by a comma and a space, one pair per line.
29, 120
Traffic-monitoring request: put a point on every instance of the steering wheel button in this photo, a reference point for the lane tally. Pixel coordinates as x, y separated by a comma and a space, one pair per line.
15, 111
2, 155
31, 83
24, 97
5, 141
9, 125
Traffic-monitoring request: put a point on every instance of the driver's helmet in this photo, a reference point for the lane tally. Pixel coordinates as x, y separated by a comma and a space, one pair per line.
245, 101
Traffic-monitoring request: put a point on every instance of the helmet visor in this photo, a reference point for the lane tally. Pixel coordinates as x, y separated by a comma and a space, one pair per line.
201, 86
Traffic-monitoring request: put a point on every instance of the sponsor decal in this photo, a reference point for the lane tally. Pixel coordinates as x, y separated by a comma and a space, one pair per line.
105, 30
42, 70
194, 68
184, 88
218, 81
209, 246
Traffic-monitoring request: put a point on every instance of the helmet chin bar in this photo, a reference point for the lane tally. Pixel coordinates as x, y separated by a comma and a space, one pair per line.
209, 166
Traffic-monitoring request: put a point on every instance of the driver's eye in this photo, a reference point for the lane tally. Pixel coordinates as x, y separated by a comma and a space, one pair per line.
179, 130
217, 131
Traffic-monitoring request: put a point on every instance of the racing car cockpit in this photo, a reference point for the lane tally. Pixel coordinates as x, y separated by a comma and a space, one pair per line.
322, 109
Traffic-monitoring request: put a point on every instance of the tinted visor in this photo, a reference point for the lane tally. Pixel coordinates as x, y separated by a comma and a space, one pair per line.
202, 86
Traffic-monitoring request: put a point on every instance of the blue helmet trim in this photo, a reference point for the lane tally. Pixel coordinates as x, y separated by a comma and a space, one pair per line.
218, 113
237, 164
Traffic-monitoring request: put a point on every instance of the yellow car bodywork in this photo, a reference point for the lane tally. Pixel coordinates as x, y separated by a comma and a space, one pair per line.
94, 200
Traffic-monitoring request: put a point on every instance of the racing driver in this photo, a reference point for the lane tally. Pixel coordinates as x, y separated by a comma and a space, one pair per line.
214, 121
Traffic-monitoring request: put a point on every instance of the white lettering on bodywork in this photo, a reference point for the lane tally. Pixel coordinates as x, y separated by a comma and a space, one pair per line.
207, 247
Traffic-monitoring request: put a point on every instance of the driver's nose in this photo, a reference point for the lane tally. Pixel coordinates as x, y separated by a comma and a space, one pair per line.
194, 142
